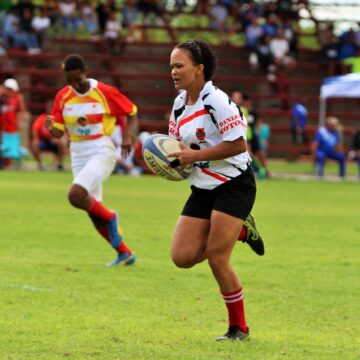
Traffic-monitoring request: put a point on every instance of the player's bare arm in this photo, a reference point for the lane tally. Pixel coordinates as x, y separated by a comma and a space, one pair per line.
221, 151
55, 132
127, 141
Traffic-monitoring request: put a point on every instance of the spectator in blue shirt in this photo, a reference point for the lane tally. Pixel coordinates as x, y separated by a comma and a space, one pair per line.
298, 121
327, 145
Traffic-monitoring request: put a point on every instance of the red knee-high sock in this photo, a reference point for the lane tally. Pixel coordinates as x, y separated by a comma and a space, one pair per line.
99, 210
243, 233
235, 306
101, 229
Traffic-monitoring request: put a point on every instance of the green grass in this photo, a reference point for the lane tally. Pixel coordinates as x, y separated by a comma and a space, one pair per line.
58, 301
308, 168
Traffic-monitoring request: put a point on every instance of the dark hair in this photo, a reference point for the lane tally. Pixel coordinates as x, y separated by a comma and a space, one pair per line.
73, 62
201, 53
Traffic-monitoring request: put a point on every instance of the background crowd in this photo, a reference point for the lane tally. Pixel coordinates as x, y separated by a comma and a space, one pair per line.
271, 33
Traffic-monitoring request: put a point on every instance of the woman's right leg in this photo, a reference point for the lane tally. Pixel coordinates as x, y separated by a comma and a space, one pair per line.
188, 246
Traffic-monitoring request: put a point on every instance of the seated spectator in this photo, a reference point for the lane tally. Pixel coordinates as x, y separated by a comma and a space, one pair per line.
68, 17
280, 48
347, 47
354, 153
330, 55
263, 56
11, 29
112, 32
327, 145
271, 25
103, 11
52, 11
27, 31
202, 7
88, 17
248, 11
151, 11
291, 36
218, 16
130, 16
41, 141
40, 24
253, 33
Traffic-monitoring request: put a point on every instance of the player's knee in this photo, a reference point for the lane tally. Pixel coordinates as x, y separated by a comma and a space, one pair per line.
216, 262
75, 198
182, 261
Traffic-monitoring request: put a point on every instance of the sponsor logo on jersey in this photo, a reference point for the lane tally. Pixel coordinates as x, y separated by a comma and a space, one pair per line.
82, 120
200, 134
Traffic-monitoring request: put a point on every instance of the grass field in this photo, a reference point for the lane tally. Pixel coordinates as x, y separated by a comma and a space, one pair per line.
58, 301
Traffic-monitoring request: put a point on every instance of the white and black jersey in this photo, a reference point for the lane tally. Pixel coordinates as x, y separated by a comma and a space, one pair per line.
213, 119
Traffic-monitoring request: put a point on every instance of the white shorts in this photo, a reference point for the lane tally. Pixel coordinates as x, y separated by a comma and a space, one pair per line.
92, 162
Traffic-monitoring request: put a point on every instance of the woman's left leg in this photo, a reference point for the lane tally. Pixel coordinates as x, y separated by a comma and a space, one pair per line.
224, 230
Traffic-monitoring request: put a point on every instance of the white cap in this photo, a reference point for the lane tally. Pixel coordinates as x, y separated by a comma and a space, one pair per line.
12, 84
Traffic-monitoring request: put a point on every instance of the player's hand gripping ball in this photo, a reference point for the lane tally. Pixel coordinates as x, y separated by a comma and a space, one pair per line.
156, 149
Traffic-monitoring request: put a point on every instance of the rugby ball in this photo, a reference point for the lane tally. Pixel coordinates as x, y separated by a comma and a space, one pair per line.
156, 149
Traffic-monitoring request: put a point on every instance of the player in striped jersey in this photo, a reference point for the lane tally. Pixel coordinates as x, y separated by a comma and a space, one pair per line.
212, 131
87, 109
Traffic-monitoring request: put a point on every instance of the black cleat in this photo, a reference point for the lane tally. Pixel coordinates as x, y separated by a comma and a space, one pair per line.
253, 237
234, 333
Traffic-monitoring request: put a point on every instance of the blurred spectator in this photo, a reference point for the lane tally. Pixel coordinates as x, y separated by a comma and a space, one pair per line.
3, 54
263, 133
40, 24
253, 33
218, 16
130, 17
262, 56
202, 7
11, 29
248, 11
353, 63
354, 153
103, 10
41, 141
13, 111
291, 36
347, 47
271, 25
68, 17
5, 6
327, 145
180, 5
88, 17
52, 11
151, 11
330, 55
27, 31
280, 48
112, 32
245, 105
299, 114
124, 165
138, 158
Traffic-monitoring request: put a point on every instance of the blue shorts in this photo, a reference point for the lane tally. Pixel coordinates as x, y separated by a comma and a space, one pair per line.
10, 145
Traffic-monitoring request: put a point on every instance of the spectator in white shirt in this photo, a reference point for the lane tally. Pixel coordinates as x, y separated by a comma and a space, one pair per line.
280, 48
40, 23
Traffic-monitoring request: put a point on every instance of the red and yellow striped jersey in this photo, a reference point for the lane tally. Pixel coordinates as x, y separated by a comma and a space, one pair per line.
92, 115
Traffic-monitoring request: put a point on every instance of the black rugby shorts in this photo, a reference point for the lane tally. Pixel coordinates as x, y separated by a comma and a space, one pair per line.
235, 197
